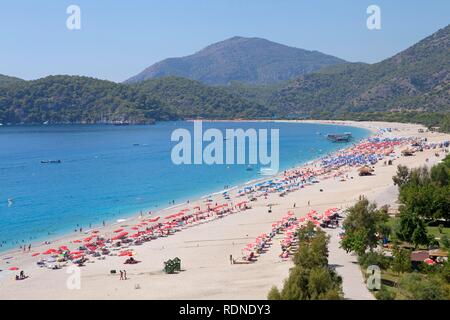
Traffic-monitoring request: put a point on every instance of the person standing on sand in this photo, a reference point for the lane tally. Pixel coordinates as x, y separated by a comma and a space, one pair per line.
125, 275
121, 275
231, 259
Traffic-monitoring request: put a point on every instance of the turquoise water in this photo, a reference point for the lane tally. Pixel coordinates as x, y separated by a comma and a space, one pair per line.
109, 172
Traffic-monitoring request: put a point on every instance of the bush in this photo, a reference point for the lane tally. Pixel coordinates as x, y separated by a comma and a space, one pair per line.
445, 243
415, 286
385, 294
374, 258
274, 294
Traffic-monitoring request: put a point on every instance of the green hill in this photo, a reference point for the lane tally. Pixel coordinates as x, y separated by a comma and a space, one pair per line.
7, 80
413, 85
417, 79
192, 99
72, 99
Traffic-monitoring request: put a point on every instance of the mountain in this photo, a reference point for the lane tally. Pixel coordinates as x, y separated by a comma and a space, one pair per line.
417, 79
192, 99
73, 99
250, 60
7, 80
412, 86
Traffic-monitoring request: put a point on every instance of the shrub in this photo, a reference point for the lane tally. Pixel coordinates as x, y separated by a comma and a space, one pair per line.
274, 294
415, 286
445, 243
374, 258
385, 294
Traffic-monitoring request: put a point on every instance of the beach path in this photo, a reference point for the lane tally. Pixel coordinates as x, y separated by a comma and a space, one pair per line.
346, 266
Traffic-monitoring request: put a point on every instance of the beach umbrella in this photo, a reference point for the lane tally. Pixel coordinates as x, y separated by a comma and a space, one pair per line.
35, 254
13, 269
76, 241
118, 230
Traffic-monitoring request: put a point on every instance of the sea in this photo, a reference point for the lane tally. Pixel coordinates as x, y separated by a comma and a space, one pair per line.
57, 178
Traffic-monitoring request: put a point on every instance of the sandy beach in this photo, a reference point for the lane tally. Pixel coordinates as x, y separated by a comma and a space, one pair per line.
205, 248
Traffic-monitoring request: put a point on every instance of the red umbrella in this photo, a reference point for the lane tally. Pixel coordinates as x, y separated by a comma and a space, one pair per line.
76, 241
120, 236
35, 254
50, 251
13, 269
126, 253
118, 230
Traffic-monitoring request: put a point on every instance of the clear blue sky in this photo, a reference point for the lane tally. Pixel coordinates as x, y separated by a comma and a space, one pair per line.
120, 38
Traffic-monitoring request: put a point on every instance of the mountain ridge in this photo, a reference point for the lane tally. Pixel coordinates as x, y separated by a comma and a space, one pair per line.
413, 85
252, 60
416, 79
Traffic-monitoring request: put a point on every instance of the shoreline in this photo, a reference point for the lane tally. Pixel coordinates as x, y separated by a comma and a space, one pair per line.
134, 215
205, 248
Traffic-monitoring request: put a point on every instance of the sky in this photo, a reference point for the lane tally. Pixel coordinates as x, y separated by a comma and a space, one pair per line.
118, 39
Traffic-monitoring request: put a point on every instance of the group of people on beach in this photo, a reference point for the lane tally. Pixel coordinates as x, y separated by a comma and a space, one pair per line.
123, 275
21, 276
98, 246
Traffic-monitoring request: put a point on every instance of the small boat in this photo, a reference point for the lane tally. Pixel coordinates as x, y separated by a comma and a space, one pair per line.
50, 161
345, 137
249, 168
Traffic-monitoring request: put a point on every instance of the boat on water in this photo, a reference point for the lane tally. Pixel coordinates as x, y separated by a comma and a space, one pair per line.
50, 161
344, 137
